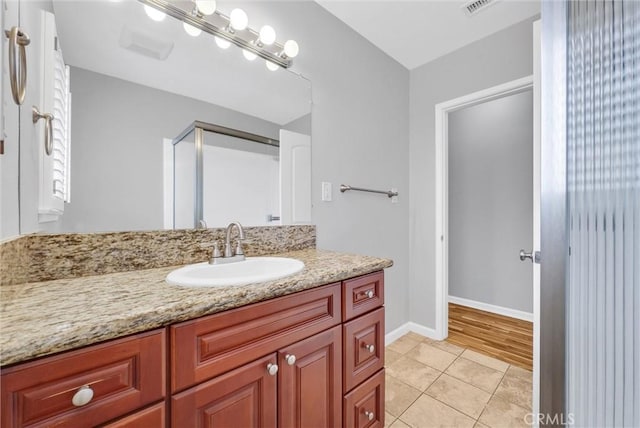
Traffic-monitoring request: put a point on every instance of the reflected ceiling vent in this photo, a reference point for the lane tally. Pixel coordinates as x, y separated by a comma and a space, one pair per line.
473, 7
145, 44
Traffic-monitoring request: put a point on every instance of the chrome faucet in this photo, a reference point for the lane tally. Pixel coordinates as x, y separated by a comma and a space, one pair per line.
229, 256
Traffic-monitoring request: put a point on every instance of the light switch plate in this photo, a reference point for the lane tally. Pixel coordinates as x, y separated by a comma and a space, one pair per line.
326, 191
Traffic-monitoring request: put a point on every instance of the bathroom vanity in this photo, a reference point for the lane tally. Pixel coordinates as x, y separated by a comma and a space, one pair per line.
307, 351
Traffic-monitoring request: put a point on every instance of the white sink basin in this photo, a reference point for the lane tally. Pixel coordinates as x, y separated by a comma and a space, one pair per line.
251, 270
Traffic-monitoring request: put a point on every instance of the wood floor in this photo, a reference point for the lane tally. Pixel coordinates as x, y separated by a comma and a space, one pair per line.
507, 339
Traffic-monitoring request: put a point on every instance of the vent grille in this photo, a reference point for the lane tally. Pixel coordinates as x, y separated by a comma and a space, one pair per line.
475, 6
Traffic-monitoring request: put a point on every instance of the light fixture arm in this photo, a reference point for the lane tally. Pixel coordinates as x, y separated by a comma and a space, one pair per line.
234, 37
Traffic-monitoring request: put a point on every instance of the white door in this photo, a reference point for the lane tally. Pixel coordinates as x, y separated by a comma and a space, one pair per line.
295, 178
536, 217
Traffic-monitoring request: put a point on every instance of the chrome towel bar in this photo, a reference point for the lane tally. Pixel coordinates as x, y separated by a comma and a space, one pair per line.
389, 193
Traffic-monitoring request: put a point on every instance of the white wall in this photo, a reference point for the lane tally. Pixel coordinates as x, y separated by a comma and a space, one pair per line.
490, 211
499, 58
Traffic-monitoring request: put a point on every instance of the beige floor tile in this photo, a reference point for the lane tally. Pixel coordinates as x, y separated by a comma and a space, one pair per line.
460, 395
390, 356
500, 413
447, 346
413, 373
427, 412
476, 374
388, 419
520, 373
485, 360
403, 345
431, 356
415, 336
479, 425
398, 396
399, 424
516, 387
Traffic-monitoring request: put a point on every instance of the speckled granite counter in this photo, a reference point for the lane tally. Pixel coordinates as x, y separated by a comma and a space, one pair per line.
43, 318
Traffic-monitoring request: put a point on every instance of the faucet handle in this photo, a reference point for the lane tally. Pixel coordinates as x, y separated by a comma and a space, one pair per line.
239, 251
216, 250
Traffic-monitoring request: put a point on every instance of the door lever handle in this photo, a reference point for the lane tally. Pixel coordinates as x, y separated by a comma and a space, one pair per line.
534, 256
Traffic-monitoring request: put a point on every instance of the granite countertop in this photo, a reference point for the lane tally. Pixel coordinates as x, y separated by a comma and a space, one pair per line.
42, 318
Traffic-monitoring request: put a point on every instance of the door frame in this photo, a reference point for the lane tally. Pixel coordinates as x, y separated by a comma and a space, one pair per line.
442, 111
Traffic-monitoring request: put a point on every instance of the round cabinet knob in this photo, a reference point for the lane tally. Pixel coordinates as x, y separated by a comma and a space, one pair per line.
290, 359
369, 415
82, 396
272, 369
370, 294
370, 348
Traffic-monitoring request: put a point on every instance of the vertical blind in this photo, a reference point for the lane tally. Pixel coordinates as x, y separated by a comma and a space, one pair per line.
603, 184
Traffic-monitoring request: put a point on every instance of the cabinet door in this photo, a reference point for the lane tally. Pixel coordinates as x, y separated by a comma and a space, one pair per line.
310, 381
244, 397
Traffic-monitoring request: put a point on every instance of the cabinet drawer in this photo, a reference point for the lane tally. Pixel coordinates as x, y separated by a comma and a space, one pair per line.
364, 406
153, 416
123, 374
244, 397
363, 347
209, 346
362, 294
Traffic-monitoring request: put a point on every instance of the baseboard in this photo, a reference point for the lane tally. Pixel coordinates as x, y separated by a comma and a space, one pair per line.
396, 334
500, 310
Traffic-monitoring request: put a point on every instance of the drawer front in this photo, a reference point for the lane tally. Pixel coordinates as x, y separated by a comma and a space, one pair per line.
207, 347
153, 416
364, 406
362, 294
363, 347
244, 397
123, 375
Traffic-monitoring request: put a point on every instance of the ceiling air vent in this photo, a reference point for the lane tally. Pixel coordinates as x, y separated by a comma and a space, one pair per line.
475, 6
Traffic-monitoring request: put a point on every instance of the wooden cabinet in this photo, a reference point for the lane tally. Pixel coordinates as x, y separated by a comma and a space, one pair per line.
310, 381
86, 387
308, 359
364, 406
244, 397
154, 416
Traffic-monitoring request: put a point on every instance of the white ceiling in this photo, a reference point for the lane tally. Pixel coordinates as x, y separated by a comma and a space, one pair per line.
90, 31
416, 32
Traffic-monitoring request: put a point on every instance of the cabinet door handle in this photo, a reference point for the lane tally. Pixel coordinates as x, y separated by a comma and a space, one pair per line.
369, 294
18, 39
82, 396
290, 359
48, 128
369, 415
272, 369
371, 348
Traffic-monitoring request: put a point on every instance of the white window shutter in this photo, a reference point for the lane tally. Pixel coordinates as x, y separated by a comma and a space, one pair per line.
56, 99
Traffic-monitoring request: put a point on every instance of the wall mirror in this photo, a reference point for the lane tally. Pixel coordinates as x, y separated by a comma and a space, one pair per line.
136, 84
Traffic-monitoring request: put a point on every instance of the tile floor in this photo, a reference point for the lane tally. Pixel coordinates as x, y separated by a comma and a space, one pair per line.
439, 384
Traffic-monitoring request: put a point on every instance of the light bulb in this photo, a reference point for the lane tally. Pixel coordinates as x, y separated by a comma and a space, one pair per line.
206, 7
250, 56
238, 19
267, 35
191, 30
154, 14
291, 48
222, 43
272, 66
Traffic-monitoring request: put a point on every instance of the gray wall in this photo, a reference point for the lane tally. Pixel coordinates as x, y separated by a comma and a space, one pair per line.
499, 58
117, 129
360, 123
491, 201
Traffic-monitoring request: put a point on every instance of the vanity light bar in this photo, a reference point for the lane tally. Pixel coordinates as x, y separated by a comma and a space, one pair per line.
245, 39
